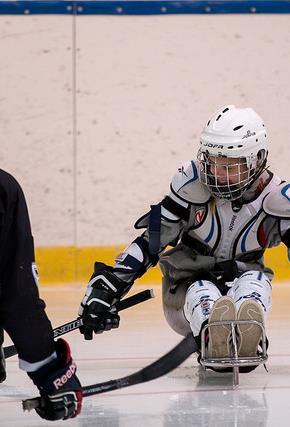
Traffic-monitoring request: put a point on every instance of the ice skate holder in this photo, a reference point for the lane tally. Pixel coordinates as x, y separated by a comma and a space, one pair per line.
234, 361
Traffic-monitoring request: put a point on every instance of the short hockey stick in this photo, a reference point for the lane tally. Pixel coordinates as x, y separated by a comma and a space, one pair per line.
160, 367
75, 324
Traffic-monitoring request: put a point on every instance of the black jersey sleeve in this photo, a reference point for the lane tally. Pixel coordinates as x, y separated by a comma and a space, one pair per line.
22, 312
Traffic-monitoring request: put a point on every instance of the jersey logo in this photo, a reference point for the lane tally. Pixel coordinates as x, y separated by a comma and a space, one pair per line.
181, 170
234, 217
199, 216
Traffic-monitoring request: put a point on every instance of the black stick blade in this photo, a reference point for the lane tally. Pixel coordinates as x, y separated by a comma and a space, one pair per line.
160, 367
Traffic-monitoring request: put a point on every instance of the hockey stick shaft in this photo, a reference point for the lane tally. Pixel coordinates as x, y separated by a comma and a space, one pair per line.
75, 324
160, 367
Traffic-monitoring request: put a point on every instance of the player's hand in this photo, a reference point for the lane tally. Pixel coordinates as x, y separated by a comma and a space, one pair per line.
103, 291
60, 390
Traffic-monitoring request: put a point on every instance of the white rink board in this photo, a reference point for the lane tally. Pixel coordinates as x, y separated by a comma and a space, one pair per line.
145, 86
37, 121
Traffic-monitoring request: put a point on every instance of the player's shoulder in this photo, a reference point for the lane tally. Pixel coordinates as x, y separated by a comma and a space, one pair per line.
277, 202
8, 184
186, 185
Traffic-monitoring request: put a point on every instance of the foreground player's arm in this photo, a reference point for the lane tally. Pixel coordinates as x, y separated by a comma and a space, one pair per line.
163, 226
22, 312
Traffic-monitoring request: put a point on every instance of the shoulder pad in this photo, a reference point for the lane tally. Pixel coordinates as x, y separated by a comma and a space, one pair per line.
277, 202
186, 185
143, 221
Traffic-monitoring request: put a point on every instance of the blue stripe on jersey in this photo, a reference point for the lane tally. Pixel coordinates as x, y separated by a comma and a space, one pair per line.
194, 170
284, 191
211, 230
243, 244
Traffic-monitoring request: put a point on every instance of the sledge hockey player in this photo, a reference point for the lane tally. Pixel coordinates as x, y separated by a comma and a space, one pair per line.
22, 312
222, 212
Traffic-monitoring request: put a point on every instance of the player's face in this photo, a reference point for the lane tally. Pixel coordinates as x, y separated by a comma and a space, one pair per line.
228, 170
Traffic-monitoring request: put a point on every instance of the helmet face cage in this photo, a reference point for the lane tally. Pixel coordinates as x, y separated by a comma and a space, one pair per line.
237, 176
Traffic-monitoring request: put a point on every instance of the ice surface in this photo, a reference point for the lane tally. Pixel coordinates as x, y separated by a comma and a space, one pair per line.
187, 396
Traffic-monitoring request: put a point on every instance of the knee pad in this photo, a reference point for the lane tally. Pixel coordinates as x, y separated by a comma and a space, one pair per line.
199, 300
252, 285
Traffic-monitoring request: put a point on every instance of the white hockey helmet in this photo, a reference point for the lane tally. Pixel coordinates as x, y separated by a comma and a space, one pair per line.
233, 133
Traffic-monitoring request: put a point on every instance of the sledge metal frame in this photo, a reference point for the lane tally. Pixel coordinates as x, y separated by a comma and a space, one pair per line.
234, 361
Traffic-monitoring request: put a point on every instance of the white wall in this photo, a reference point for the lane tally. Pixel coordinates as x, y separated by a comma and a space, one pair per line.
145, 86
36, 119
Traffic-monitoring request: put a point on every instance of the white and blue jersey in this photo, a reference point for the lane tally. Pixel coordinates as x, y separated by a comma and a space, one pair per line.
225, 230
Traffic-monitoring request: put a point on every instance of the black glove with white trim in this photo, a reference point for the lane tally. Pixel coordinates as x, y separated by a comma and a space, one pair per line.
104, 290
60, 390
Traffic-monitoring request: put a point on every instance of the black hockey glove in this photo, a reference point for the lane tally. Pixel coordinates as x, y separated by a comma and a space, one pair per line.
59, 387
226, 271
103, 291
